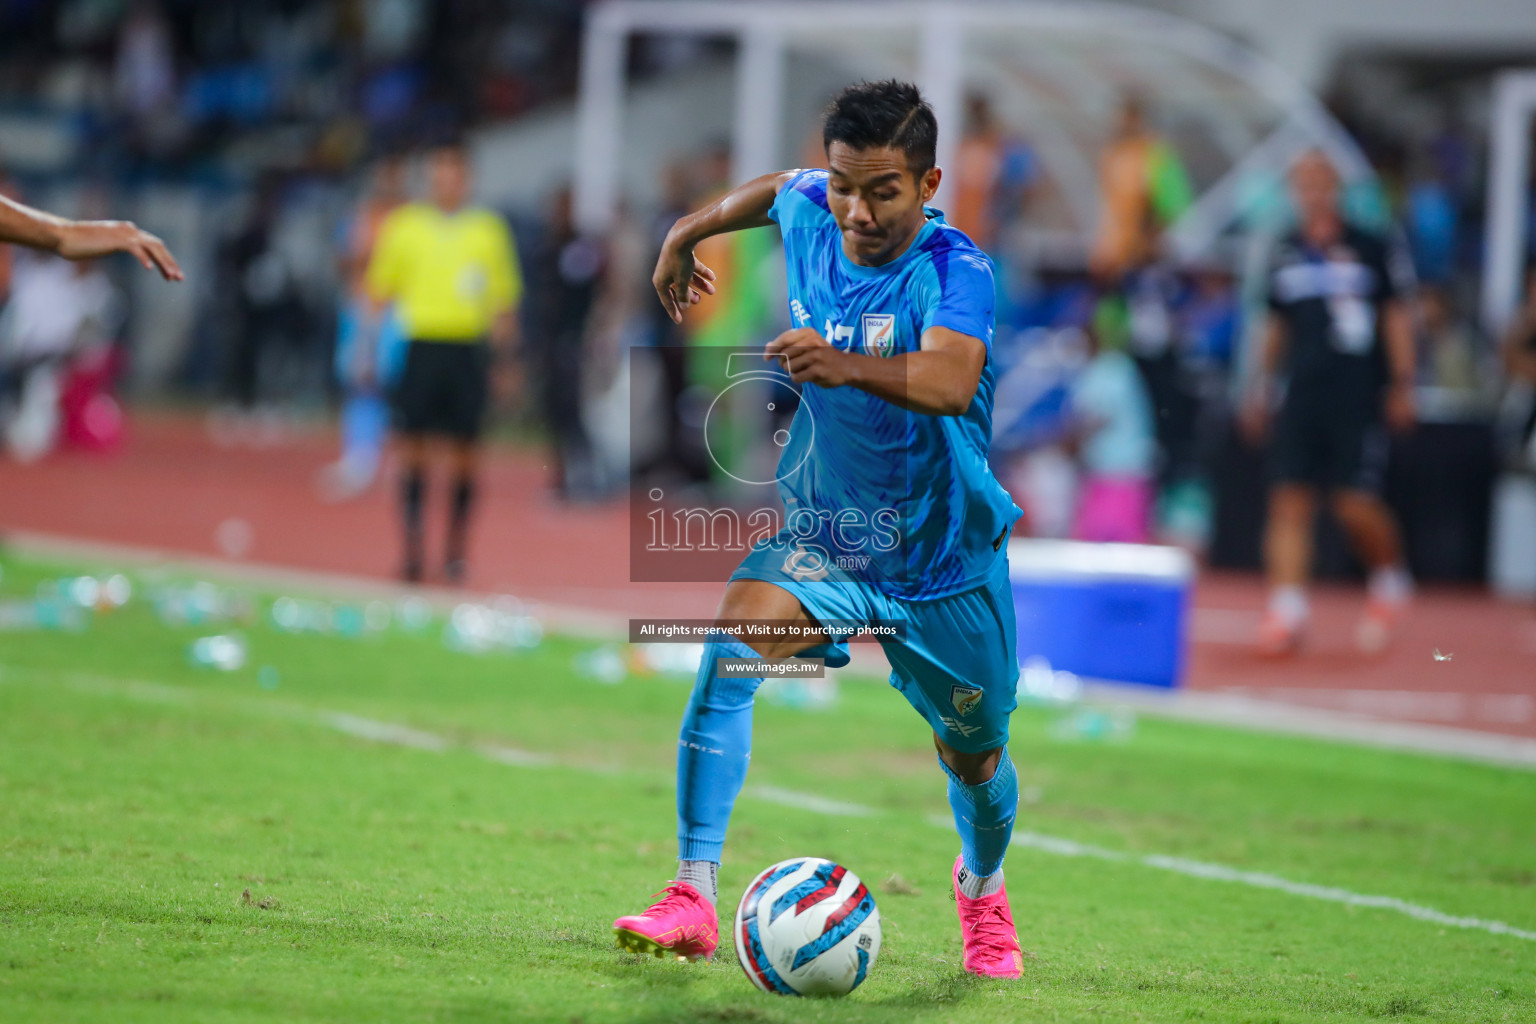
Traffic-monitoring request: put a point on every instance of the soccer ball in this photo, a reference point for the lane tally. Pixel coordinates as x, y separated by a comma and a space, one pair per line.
807, 927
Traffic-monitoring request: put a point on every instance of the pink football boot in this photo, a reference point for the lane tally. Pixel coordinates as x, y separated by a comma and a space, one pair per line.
986, 928
682, 923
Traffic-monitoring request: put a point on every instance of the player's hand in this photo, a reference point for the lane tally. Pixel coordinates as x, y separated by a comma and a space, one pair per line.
84, 239
680, 280
1401, 408
809, 359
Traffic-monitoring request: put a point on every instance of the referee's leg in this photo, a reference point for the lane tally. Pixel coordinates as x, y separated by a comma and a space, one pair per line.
471, 395
412, 451
465, 464
409, 399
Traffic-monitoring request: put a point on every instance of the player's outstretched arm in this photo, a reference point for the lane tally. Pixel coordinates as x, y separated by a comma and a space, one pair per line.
681, 280
938, 380
83, 239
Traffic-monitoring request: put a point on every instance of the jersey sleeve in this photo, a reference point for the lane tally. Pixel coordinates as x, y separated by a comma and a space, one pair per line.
965, 296
386, 264
504, 278
802, 201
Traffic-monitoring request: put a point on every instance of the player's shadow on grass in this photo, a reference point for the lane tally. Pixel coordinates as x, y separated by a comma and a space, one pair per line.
944, 989
662, 971
713, 1015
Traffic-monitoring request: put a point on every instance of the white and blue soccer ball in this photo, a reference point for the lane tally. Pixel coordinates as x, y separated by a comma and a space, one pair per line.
807, 927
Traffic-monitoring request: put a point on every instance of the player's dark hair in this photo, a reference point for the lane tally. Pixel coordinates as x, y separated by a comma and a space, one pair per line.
889, 114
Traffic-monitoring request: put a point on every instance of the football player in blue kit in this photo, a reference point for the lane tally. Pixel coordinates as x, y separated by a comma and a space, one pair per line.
891, 513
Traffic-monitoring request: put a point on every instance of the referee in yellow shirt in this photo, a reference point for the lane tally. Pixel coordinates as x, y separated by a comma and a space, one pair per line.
452, 274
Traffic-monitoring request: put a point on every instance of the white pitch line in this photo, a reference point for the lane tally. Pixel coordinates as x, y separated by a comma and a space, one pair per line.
404, 736
514, 757
383, 732
809, 802
1263, 880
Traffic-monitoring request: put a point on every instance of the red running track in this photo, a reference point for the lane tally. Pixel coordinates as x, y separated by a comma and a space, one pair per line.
171, 488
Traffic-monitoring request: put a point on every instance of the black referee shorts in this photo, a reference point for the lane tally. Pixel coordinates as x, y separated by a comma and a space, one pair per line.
443, 389
1330, 445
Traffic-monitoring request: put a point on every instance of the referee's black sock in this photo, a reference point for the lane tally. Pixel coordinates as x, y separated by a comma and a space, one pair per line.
458, 525
413, 486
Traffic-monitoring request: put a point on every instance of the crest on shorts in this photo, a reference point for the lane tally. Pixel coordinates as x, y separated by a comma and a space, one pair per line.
965, 698
879, 333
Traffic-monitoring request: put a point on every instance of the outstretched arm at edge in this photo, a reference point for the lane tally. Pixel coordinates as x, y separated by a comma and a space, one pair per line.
84, 239
679, 279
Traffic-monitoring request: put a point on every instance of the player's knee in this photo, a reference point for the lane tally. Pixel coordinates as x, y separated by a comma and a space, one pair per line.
973, 769
1291, 504
724, 682
1356, 508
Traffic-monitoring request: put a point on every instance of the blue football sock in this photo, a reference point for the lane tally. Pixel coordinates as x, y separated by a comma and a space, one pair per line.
713, 748
984, 816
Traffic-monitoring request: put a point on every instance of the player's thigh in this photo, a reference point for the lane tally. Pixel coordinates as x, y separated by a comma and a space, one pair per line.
751, 603
957, 664
781, 573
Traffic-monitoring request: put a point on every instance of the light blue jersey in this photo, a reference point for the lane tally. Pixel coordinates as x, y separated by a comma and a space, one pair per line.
912, 492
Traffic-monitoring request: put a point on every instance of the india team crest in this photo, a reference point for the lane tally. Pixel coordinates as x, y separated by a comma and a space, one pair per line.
965, 698
879, 333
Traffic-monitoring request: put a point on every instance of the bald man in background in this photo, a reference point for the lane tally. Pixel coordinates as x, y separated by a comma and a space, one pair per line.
1340, 337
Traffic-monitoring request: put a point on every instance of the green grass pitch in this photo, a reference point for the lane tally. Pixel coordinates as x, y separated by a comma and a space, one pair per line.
179, 844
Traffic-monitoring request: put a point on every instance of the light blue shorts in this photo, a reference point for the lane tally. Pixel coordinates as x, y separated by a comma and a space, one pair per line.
955, 659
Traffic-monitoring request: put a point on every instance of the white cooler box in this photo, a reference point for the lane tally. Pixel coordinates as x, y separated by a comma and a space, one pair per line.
1103, 611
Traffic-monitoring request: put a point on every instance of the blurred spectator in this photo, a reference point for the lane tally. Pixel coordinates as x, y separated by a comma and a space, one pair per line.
1520, 362
1112, 424
565, 274
619, 322
1455, 359
1340, 330
1208, 318
8, 190
364, 412
1433, 222
452, 272
269, 310
739, 311
681, 455
993, 174
58, 309
1144, 188
145, 75
1192, 426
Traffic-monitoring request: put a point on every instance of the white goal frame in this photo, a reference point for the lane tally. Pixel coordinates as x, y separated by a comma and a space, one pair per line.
1509, 168
763, 28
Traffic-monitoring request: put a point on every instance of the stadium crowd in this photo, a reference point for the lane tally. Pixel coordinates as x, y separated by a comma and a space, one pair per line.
1121, 368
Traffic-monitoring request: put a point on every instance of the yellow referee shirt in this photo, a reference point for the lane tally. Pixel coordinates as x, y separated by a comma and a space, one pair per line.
448, 274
